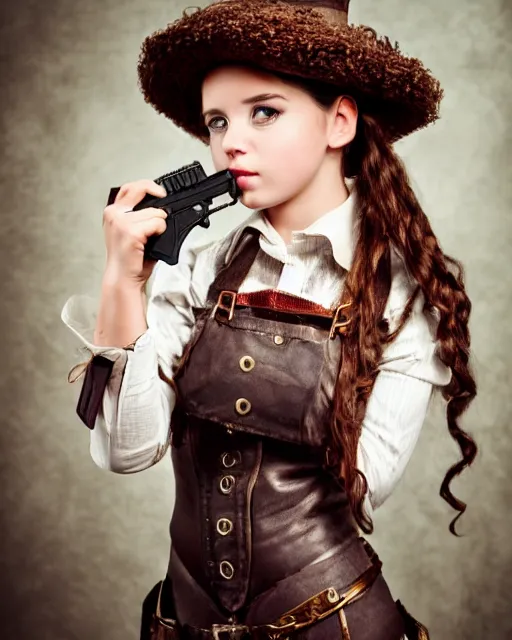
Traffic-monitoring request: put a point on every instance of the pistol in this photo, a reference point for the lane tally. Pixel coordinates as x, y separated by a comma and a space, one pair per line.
190, 195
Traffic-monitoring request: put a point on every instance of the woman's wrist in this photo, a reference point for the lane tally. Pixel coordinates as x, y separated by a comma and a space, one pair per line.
122, 312
113, 280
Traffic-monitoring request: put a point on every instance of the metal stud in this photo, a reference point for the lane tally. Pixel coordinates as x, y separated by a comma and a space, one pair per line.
247, 363
227, 570
230, 459
242, 406
226, 484
332, 595
224, 526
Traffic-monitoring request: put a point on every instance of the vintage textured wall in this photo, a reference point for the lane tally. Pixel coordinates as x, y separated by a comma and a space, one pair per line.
80, 547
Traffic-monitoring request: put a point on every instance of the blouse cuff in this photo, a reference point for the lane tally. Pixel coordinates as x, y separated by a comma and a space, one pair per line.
79, 314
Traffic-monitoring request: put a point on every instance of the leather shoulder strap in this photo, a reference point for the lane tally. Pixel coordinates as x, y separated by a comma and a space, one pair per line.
232, 274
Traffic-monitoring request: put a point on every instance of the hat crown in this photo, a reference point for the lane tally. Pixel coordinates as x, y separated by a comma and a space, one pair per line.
335, 11
340, 5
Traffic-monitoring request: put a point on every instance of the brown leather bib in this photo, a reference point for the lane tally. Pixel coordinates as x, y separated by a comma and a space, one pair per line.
262, 371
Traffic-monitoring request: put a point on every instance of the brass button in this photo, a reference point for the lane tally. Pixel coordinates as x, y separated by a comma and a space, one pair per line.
224, 526
278, 339
226, 484
247, 363
230, 459
242, 406
227, 570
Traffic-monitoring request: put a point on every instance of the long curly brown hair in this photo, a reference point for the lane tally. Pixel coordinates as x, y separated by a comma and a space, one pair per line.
390, 213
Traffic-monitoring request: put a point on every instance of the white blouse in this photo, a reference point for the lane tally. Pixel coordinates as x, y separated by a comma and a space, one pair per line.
132, 429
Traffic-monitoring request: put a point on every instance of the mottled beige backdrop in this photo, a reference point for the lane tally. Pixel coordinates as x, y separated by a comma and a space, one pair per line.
81, 546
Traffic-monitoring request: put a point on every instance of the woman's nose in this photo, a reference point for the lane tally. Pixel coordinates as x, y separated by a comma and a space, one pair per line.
235, 140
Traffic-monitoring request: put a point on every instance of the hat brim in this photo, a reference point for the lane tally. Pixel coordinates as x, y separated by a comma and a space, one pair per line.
398, 90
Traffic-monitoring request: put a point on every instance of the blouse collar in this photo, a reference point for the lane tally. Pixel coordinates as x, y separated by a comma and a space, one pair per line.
337, 225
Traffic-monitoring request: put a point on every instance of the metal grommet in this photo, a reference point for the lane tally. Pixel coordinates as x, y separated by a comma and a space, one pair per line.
230, 459
278, 339
242, 406
227, 570
224, 526
332, 595
226, 484
246, 363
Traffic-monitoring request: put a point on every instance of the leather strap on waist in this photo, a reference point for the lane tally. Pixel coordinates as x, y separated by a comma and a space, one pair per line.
309, 612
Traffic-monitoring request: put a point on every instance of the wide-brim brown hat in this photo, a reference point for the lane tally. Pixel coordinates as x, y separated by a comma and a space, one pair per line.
307, 39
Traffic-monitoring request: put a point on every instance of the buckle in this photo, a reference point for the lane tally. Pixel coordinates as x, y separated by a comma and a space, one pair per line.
340, 321
329, 460
228, 307
283, 627
230, 632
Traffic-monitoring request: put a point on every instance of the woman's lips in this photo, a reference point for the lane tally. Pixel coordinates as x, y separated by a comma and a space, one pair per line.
244, 181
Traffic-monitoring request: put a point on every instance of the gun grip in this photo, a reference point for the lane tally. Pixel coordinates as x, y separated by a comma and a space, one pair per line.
167, 246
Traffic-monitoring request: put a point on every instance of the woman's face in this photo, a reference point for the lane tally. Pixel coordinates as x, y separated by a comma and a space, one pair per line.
259, 123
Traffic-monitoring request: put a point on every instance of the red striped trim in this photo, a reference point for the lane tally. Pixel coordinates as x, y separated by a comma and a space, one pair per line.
284, 302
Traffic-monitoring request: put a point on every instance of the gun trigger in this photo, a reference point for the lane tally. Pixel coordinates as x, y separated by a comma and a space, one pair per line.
205, 222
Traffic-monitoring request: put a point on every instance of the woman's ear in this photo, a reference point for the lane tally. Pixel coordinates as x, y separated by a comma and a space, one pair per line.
344, 114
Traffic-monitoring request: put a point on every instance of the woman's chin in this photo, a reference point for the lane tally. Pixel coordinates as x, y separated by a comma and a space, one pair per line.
251, 200
254, 200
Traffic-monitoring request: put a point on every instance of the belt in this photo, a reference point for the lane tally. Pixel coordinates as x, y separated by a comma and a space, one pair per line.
309, 612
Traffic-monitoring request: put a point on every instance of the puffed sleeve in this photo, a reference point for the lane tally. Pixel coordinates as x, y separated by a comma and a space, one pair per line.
398, 404
131, 431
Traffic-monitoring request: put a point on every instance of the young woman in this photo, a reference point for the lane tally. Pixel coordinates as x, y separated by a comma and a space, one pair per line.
294, 359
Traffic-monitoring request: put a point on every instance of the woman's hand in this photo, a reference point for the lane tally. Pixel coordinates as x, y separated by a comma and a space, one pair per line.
127, 231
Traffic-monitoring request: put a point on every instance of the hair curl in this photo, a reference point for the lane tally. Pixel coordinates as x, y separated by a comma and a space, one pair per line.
390, 213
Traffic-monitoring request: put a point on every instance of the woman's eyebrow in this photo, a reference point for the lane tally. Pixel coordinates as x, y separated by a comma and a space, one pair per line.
259, 98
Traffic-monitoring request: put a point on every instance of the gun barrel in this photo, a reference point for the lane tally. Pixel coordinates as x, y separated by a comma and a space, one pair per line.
205, 191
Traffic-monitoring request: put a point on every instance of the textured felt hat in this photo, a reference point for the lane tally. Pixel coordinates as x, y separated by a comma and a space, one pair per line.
306, 38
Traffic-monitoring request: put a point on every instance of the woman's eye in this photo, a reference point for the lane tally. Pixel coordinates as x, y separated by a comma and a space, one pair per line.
211, 125
219, 123
270, 113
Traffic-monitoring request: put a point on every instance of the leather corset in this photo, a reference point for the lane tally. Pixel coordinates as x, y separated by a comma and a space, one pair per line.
253, 501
